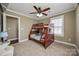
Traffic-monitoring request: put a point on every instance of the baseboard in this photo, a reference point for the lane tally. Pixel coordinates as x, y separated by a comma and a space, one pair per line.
70, 44
23, 40
66, 43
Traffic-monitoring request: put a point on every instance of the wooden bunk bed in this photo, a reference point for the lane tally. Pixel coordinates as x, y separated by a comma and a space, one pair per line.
40, 33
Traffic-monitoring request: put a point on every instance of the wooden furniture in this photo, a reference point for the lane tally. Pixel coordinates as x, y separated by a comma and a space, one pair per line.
40, 33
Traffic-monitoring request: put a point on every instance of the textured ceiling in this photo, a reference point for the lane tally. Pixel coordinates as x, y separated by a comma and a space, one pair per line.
26, 8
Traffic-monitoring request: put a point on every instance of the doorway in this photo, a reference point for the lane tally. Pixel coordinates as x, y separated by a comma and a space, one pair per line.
13, 28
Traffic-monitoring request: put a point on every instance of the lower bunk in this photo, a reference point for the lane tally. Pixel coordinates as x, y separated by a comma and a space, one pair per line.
44, 42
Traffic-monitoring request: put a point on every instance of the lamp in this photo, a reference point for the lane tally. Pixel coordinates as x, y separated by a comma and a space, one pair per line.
3, 35
39, 14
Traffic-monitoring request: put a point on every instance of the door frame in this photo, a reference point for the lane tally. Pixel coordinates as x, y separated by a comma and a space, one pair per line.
4, 23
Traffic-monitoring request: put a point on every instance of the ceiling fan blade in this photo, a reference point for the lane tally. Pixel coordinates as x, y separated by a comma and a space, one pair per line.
45, 9
36, 8
44, 14
33, 13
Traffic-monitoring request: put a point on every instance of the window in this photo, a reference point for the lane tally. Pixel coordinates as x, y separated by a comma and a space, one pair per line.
58, 25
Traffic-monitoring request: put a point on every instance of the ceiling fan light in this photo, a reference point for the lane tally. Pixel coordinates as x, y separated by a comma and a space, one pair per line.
39, 14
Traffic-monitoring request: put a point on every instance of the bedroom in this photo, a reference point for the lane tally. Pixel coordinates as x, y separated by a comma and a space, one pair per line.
63, 15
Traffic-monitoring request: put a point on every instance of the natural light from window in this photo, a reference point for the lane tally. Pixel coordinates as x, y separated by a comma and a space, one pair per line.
58, 25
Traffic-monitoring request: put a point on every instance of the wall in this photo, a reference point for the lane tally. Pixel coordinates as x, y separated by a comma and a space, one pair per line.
77, 27
25, 25
69, 27
45, 21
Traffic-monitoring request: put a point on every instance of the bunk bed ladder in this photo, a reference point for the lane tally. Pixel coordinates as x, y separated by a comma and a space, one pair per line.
46, 38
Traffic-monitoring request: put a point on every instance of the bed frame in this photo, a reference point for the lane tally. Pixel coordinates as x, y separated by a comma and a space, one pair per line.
46, 38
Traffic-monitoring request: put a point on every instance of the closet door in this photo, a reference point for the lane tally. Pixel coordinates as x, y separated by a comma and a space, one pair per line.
12, 28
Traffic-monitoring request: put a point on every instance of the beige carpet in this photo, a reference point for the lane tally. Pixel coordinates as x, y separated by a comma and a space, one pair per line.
31, 48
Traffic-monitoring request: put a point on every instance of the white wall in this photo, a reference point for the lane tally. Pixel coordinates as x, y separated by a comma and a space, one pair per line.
77, 26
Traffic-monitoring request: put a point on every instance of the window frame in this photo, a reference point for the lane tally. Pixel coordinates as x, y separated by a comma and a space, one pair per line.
57, 17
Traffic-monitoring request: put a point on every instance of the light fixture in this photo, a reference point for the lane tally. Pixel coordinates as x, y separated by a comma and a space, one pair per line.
39, 14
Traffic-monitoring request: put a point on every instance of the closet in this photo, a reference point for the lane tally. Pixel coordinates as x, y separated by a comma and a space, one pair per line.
12, 29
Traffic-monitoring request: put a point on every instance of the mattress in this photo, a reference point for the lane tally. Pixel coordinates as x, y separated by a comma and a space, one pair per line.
35, 36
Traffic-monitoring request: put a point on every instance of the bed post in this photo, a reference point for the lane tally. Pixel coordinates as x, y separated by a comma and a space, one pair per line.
46, 37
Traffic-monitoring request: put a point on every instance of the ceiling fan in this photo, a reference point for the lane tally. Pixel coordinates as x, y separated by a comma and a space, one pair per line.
39, 11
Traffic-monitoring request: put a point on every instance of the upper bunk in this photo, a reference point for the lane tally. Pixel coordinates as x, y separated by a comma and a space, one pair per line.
39, 26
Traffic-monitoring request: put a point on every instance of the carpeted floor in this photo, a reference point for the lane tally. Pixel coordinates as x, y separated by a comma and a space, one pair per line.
31, 48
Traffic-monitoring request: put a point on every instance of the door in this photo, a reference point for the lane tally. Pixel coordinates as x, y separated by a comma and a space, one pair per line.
12, 29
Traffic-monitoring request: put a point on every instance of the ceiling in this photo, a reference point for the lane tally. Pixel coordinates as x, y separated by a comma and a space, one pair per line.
56, 8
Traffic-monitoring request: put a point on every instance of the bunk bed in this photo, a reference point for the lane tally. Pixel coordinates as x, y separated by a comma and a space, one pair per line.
40, 33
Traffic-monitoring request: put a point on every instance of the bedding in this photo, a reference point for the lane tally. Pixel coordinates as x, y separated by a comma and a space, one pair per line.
36, 36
